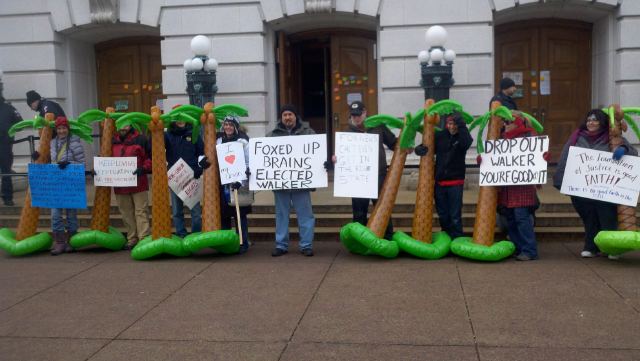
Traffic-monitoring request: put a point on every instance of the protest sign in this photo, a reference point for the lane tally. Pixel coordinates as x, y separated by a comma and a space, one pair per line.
295, 162
115, 171
181, 182
52, 187
595, 175
231, 162
516, 161
356, 168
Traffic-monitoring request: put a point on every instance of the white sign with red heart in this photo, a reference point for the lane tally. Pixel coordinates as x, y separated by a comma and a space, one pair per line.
231, 162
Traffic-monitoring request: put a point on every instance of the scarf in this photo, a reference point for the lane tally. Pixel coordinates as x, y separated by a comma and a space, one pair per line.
599, 136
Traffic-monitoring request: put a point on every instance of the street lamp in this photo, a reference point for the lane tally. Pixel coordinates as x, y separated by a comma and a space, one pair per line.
436, 78
201, 73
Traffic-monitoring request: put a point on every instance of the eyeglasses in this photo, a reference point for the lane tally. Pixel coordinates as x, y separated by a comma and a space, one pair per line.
592, 118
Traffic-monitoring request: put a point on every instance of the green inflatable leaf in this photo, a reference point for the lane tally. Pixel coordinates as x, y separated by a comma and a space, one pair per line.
114, 240
148, 248
36, 243
617, 242
503, 112
356, 232
444, 107
436, 250
383, 119
632, 123
225, 241
464, 247
136, 120
534, 122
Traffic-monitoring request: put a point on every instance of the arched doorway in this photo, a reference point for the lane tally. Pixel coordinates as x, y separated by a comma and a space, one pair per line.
129, 73
550, 60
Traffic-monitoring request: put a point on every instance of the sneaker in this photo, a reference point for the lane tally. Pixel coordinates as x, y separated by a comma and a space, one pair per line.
614, 257
307, 252
587, 254
129, 246
524, 257
277, 252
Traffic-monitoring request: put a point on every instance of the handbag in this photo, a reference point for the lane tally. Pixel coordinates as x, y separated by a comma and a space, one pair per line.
245, 197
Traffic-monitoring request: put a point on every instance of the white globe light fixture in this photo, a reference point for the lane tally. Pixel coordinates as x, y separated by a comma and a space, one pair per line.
449, 56
200, 45
436, 36
436, 56
187, 65
196, 64
211, 65
423, 57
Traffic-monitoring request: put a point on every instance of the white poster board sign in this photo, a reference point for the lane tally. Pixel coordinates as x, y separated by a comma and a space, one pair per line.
356, 168
293, 162
231, 162
595, 175
514, 161
183, 184
115, 171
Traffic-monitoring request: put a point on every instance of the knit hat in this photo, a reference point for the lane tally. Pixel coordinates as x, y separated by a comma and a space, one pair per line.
506, 83
62, 122
32, 96
233, 119
288, 107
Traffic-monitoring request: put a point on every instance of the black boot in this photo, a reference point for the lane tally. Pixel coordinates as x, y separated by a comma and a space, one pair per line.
67, 245
59, 243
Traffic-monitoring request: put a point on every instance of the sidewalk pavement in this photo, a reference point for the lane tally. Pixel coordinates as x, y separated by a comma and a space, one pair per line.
99, 305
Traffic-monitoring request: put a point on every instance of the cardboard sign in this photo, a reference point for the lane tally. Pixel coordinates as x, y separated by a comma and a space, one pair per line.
595, 175
52, 187
115, 171
514, 161
294, 162
181, 182
356, 168
231, 162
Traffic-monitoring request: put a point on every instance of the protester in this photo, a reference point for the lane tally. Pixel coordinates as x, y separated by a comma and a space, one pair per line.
231, 132
43, 105
596, 215
8, 117
178, 144
65, 149
451, 147
504, 96
291, 124
133, 202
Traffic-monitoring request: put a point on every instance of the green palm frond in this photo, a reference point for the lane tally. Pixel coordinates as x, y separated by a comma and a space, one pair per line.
223, 110
80, 129
136, 120
195, 124
36, 123
534, 122
480, 142
383, 119
411, 128
91, 116
192, 110
611, 113
445, 107
502, 112
479, 120
468, 118
632, 123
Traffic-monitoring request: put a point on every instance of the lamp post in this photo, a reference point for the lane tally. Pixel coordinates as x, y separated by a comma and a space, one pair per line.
201, 73
436, 78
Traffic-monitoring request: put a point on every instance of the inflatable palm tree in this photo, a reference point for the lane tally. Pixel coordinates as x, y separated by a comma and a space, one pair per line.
100, 232
368, 240
25, 240
626, 238
423, 243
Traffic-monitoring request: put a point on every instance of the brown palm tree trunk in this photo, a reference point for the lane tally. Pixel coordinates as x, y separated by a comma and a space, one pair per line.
102, 198
381, 213
485, 224
29, 216
626, 214
211, 193
423, 214
160, 210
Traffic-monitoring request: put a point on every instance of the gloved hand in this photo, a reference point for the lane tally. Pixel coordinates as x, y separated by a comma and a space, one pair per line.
35, 155
197, 173
479, 159
204, 163
619, 152
139, 171
328, 165
248, 172
63, 164
236, 185
421, 150
546, 156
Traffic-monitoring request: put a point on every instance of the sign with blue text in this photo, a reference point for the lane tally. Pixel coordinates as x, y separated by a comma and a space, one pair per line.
115, 171
596, 175
356, 168
516, 161
52, 187
293, 162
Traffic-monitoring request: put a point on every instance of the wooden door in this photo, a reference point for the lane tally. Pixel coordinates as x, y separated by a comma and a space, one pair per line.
553, 59
129, 74
353, 76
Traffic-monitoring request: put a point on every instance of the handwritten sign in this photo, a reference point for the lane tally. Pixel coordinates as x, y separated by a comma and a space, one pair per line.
595, 175
514, 161
52, 187
356, 168
231, 162
181, 182
115, 171
295, 162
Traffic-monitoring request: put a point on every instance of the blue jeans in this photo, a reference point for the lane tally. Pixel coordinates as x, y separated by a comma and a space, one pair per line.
521, 231
449, 207
177, 213
57, 221
301, 200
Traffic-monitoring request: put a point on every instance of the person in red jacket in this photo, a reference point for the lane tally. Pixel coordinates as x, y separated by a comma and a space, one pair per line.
133, 202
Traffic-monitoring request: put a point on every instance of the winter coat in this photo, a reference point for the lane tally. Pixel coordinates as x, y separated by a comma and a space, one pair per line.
301, 128
178, 145
8, 117
450, 153
49, 106
385, 137
67, 150
505, 100
136, 145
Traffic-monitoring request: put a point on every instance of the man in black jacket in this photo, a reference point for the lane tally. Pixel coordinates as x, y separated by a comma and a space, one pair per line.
43, 106
451, 149
504, 96
8, 117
